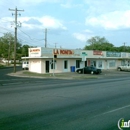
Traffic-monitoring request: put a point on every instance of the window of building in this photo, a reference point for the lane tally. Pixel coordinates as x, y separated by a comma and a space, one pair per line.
123, 62
112, 63
78, 63
93, 63
65, 64
100, 64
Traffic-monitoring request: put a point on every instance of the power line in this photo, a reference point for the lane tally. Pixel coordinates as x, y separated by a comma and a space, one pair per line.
30, 36
5, 29
55, 44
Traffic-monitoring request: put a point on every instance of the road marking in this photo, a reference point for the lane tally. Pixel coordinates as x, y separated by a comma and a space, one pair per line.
116, 110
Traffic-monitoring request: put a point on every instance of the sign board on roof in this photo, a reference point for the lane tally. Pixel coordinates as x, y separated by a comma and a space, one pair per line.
47, 51
128, 54
123, 54
113, 54
35, 52
77, 52
83, 54
63, 52
97, 52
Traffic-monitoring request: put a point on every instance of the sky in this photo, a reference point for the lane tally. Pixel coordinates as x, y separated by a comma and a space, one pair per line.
69, 23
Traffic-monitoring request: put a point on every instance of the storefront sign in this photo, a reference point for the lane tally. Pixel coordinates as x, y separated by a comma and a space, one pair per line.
83, 54
34, 52
77, 52
128, 54
47, 51
123, 54
97, 52
63, 52
113, 54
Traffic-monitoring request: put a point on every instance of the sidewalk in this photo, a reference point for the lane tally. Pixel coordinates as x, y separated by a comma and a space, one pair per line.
70, 75
66, 75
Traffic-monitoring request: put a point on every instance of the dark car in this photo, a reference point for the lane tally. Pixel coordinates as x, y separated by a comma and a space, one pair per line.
89, 70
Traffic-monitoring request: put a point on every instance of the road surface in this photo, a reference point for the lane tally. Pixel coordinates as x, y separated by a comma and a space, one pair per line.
53, 104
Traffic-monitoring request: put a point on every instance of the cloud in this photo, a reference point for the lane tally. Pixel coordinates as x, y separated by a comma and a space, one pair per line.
42, 22
51, 22
37, 1
6, 22
96, 7
33, 24
112, 20
87, 31
25, 3
80, 36
69, 5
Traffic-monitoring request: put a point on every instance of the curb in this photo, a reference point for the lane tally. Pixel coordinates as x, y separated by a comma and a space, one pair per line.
38, 77
51, 77
6, 67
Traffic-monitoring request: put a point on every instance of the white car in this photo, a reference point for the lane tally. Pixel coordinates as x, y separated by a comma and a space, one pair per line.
25, 65
124, 68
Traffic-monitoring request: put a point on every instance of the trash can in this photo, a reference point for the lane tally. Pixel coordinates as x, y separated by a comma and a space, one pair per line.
72, 68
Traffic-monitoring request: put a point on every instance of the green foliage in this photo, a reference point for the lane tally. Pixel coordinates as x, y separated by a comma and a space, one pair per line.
100, 43
7, 47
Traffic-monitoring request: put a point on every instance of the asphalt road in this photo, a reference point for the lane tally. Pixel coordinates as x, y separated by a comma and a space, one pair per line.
52, 104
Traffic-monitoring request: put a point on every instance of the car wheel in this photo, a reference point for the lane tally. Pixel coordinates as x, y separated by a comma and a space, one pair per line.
97, 73
92, 72
79, 71
119, 69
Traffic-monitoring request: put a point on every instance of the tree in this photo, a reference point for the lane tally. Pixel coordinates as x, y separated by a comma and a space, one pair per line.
25, 50
99, 43
7, 46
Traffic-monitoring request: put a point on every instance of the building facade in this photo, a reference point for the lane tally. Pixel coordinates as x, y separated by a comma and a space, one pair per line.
51, 60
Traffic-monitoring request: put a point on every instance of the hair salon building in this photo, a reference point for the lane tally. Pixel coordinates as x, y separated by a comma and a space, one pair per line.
49, 60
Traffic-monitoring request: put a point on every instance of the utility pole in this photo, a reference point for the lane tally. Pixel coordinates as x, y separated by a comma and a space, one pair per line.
15, 42
45, 37
54, 61
55, 45
9, 53
124, 46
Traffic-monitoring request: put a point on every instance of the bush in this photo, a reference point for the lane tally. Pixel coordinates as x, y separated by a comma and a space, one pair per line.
2, 66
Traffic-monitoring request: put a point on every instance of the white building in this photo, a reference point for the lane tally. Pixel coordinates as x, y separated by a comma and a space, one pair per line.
49, 60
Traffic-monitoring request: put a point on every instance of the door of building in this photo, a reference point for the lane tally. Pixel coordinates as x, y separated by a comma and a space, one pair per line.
86, 63
65, 65
47, 66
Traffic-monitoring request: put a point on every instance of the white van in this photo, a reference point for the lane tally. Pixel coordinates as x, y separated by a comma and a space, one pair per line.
25, 65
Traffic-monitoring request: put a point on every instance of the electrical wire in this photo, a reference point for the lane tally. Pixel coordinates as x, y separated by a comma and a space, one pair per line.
30, 36
5, 29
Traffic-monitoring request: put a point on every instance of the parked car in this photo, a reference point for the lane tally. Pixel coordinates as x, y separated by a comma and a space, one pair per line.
124, 68
25, 65
89, 70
